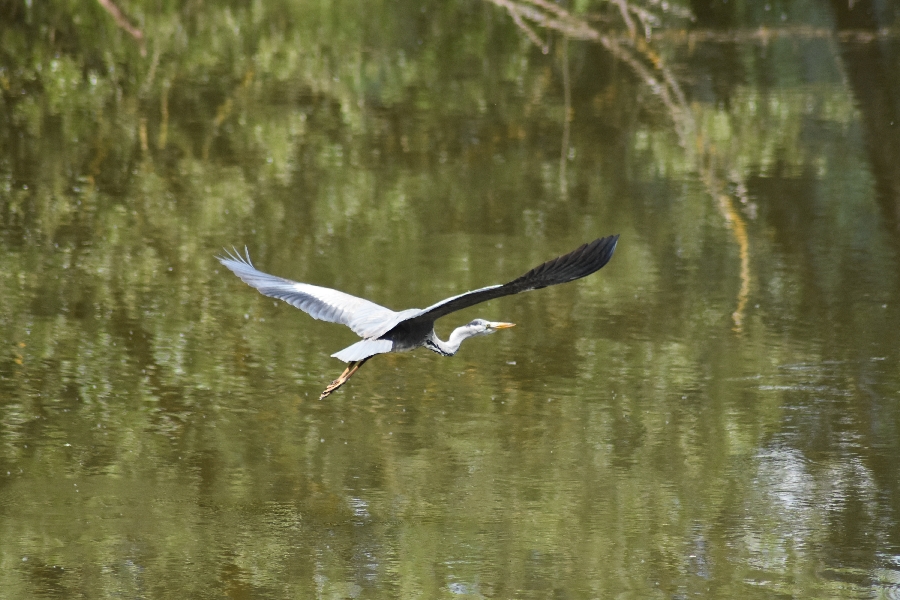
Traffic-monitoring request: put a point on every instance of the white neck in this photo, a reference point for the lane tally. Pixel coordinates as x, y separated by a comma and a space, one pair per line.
451, 346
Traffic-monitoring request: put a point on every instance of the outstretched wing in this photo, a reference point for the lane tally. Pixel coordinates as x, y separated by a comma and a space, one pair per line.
579, 263
365, 318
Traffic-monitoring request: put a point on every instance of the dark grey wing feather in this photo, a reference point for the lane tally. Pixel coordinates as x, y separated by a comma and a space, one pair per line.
365, 318
579, 263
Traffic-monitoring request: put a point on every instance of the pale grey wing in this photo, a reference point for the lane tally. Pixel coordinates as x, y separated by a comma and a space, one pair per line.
364, 349
365, 318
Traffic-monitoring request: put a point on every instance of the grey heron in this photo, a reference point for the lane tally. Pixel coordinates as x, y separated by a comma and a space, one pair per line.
384, 330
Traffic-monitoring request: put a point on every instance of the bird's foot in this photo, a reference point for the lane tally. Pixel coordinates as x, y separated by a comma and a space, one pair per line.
352, 368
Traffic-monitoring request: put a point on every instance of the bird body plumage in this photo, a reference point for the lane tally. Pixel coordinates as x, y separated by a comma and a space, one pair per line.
384, 330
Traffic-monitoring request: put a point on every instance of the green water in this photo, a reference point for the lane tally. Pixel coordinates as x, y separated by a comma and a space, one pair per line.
714, 414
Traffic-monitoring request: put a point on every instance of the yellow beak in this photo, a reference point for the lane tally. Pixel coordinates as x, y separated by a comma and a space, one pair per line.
502, 325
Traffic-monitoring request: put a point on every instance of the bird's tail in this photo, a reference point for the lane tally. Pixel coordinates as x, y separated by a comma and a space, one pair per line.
352, 368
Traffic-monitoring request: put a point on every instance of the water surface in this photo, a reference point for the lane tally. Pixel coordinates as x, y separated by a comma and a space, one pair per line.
714, 414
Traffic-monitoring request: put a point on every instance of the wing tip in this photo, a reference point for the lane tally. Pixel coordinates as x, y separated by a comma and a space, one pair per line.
234, 256
588, 258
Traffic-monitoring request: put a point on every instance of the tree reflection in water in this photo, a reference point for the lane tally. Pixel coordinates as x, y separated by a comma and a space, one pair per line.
715, 416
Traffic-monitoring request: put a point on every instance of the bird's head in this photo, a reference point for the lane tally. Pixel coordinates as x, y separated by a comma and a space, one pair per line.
482, 327
473, 329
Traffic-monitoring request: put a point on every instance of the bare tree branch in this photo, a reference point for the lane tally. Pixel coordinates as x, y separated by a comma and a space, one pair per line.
649, 66
124, 23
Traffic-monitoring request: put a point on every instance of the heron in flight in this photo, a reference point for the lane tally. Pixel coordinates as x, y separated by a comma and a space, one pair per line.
384, 330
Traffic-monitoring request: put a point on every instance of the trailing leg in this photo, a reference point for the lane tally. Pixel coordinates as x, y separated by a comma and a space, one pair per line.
352, 367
